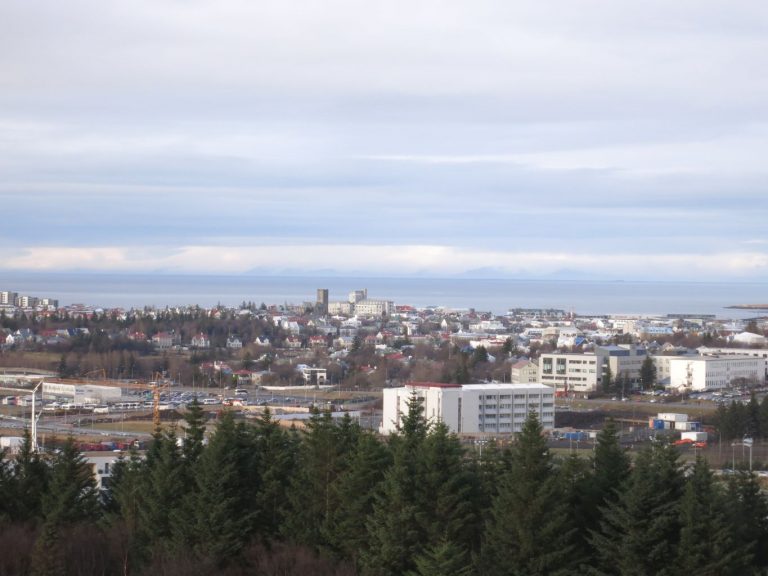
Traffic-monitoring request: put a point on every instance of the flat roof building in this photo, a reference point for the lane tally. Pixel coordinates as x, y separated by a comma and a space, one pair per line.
474, 409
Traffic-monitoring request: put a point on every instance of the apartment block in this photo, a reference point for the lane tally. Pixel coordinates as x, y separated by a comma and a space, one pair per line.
476, 409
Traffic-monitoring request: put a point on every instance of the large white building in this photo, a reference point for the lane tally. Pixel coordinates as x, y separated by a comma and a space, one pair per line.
572, 373
751, 352
374, 307
477, 409
584, 373
697, 373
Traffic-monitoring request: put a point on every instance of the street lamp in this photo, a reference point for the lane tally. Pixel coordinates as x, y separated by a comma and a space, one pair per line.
34, 417
747, 441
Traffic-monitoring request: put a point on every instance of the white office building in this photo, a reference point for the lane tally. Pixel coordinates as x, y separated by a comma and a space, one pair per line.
572, 373
701, 373
475, 409
751, 352
374, 307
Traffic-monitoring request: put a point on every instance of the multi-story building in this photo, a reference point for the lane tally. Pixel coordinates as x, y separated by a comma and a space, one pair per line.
476, 409
374, 307
344, 308
357, 295
8, 298
25, 301
698, 373
751, 352
573, 373
321, 305
625, 362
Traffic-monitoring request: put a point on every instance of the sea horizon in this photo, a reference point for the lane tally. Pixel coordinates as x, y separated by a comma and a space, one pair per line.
497, 295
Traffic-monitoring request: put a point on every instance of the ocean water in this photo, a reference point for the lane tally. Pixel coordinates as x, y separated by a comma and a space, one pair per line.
581, 297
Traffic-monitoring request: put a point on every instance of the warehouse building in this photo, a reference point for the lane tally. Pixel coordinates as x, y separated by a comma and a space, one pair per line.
76, 393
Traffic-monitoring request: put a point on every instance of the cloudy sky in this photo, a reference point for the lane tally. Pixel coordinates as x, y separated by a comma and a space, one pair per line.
587, 138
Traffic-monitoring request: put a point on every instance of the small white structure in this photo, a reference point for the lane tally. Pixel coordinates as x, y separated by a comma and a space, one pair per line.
750, 339
313, 376
484, 409
524, 372
102, 466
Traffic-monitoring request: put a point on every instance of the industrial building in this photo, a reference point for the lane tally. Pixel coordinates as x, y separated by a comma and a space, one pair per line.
80, 393
475, 409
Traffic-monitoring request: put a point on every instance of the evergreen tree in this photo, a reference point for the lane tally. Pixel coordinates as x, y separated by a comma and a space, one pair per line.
194, 433
30, 481
161, 488
356, 489
706, 546
763, 417
479, 355
608, 383
217, 518
7, 488
648, 373
414, 426
442, 559
577, 487
611, 464
747, 507
529, 531
752, 427
122, 506
445, 491
71, 495
394, 531
277, 454
639, 531
323, 456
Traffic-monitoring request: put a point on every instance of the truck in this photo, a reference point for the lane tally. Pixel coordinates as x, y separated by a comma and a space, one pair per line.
694, 436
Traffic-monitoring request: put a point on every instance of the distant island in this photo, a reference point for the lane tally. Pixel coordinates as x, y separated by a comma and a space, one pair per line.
748, 307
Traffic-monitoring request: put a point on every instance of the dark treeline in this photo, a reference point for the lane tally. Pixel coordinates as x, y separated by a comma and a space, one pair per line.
738, 419
336, 500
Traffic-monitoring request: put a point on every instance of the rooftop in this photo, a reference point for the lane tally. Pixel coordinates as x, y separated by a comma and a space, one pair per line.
499, 386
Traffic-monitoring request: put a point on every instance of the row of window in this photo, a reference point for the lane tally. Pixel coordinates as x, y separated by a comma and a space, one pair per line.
507, 396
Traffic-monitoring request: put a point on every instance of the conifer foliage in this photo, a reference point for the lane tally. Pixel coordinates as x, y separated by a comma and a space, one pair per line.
235, 498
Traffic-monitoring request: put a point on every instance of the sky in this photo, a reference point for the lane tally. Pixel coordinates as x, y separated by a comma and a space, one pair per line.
526, 139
